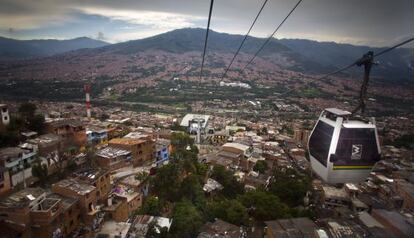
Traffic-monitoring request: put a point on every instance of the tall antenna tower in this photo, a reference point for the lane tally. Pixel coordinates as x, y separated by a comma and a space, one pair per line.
87, 88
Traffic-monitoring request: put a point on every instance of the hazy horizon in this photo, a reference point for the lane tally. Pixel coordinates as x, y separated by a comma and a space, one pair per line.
287, 38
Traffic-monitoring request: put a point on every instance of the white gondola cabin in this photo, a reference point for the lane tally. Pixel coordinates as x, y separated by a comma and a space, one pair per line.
342, 149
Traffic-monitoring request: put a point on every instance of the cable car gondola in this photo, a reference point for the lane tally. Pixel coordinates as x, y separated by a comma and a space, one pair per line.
343, 149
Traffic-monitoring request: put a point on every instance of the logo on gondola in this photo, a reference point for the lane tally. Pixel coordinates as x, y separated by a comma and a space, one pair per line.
356, 152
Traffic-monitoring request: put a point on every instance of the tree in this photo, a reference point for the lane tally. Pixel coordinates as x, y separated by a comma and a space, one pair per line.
142, 176
290, 186
37, 123
186, 220
40, 171
231, 211
226, 178
8, 138
151, 206
180, 141
264, 206
260, 166
192, 190
27, 110
167, 180
32, 121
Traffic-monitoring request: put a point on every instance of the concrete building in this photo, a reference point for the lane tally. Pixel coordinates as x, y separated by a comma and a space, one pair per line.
133, 198
87, 196
142, 151
116, 208
96, 135
220, 229
406, 191
72, 132
70, 215
397, 223
113, 229
112, 158
236, 148
334, 197
16, 164
96, 177
141, 224
162, 151
294, 227
33, 212
5, 181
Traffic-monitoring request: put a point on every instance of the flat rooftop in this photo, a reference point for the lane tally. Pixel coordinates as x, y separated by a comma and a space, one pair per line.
114, 229
45, 139
66, 202
89, 174
295, 227
76, 186
237, 146
112, 152
332, 192
126, 141
219, 228
22, 198
10, 152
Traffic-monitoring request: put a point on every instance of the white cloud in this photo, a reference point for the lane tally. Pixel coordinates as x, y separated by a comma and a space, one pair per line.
158, 20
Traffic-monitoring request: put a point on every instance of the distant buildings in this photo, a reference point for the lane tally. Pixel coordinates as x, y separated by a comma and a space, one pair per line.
235, 84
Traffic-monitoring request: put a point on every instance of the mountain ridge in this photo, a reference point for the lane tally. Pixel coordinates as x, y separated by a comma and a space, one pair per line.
13, 49
306, 56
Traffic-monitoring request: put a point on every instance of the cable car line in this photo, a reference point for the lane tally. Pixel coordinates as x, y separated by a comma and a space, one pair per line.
367, 60
375, 55
205, 41
395, 46
244, 39
271, 36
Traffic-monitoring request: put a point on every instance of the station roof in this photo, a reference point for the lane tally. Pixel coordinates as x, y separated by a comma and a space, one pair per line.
338, 112
189, 117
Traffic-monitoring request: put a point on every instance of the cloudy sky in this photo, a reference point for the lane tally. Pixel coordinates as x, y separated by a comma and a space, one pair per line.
368, 22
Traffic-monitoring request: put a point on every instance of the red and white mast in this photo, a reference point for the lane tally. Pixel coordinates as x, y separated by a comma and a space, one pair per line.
87, 88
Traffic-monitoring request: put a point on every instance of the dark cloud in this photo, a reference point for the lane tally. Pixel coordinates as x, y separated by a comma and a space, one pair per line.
375, 22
